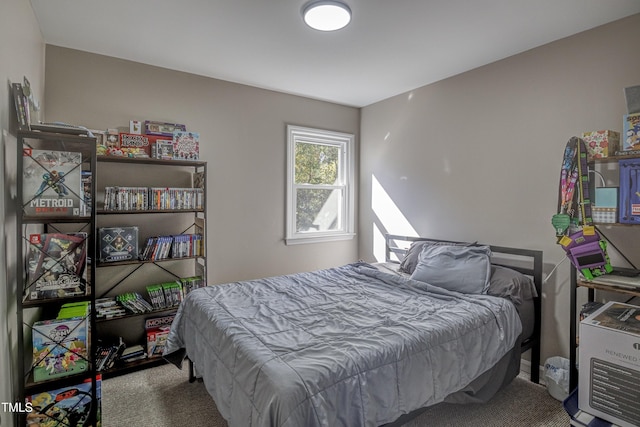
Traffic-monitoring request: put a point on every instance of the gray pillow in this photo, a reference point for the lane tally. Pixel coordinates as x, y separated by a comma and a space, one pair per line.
410, 260
511, 284
465, 269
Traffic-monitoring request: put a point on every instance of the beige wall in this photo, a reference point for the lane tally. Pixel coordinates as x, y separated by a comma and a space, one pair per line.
243, 139
477, 156
21, 54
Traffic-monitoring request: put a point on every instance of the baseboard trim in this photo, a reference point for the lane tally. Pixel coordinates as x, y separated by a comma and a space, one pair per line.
525, 370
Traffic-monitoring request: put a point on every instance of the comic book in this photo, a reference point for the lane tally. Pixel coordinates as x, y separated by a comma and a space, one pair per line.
60, 348
186, 145
67, 406
51, 183
56, 265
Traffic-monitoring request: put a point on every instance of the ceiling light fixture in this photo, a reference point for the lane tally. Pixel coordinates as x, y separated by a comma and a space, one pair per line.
326, 15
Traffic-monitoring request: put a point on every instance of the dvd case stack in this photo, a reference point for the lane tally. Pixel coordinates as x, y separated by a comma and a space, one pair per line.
191, 283
179, 246
133, 302
153, 198
108, 308
165, 295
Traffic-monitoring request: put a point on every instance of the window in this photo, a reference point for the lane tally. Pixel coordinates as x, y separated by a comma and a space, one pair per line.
320, 185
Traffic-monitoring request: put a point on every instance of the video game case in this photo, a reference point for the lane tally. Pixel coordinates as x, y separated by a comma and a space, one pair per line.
52, 183
156, 295
58, 406
134, 303
87, 202
56, 265
60, 348
157, 248
191, 283
118, 243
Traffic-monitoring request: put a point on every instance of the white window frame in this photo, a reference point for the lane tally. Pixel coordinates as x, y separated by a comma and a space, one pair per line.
346, 167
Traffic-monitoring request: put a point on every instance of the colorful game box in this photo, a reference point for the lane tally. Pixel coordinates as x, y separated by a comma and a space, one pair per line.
59, 348
56, 265
601, 143
135, 145
67, 406
157, 331
631, 132
118, 244
186, 145
51, 183
161, 128
162, 149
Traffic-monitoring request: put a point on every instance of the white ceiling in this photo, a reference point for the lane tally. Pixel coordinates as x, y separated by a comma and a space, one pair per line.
390, 46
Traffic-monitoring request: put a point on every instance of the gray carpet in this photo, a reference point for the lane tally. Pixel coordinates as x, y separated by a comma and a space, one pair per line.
162, 396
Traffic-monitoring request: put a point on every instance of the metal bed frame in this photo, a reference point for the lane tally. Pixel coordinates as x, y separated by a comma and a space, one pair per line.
526, 261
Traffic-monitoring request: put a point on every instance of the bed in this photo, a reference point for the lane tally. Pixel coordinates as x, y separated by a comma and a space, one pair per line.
361, 344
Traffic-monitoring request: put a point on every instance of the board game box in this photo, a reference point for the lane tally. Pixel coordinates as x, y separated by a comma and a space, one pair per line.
56, 265
135, 145
186, 145
118, 244
59, 348
162, 128
51, 183
67, 406
157, 329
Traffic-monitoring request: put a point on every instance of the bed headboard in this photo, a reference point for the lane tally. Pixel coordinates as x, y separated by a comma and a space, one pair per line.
526, 261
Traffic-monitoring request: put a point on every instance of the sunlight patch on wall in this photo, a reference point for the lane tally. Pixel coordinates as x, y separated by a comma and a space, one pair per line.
389, 219
378, 244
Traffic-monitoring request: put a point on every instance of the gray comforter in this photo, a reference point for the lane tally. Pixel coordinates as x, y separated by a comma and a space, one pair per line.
349, 346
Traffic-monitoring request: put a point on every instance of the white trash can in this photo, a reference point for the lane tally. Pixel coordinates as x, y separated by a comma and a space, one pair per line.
556, 376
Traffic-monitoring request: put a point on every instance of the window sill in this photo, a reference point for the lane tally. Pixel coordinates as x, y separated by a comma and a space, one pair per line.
319, 239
